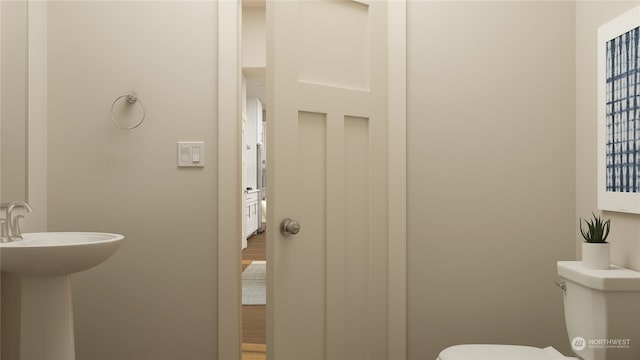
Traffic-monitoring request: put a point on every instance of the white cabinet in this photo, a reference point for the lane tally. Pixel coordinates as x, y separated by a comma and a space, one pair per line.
251, 211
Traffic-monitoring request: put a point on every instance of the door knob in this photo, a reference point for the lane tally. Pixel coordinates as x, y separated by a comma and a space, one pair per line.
289, 227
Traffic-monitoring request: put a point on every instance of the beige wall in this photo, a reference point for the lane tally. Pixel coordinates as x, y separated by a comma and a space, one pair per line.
490, 172
13, 114
491, 157
156, 297
254, 37
37, 163
13, 152
625, 230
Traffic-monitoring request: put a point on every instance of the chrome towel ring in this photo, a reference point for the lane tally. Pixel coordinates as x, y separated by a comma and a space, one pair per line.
131, 98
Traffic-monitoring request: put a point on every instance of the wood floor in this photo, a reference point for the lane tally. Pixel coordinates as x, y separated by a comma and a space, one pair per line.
257, 248
254, 351
254, 317
254, 321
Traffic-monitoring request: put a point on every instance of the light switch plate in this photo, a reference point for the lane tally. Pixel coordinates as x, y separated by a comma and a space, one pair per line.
190, 153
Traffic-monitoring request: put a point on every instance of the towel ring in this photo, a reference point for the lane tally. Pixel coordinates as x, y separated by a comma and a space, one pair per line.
131, 98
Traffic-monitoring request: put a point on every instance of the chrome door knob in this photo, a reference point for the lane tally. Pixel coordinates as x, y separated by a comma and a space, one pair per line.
289, 227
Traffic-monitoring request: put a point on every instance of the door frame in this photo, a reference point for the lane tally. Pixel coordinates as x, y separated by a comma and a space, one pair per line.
229, 217
229, 220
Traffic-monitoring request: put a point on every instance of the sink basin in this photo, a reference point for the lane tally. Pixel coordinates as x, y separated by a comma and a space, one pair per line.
57, 253
45, 262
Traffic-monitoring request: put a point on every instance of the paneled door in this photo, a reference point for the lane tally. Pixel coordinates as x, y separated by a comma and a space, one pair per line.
329, 172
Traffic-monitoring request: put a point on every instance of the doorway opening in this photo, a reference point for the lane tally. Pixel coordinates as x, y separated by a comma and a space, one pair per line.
352, 115
254, 172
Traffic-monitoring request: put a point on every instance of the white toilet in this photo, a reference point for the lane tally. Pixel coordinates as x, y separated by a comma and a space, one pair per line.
602, 312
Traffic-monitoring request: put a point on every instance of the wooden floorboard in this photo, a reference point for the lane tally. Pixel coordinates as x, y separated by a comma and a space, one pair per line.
256, 248
254, 352
254, 317
254, 322
252, 355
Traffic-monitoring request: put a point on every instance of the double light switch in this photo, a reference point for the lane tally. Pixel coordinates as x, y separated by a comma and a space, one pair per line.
190, 153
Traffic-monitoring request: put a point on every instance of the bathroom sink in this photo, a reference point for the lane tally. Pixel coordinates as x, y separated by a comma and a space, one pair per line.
57, 253
45, 262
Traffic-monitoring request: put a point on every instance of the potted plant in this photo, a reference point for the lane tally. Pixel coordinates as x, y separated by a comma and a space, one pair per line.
595, 249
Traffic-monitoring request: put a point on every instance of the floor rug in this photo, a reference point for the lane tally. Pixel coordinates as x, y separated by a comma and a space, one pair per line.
254, 284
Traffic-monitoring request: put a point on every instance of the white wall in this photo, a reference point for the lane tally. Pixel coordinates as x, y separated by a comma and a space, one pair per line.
625, 228
156, 298
491, 172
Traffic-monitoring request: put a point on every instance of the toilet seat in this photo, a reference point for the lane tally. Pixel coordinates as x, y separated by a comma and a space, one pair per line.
500, 352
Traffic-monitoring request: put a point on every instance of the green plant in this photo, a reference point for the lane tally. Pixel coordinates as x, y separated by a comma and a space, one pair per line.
598, 229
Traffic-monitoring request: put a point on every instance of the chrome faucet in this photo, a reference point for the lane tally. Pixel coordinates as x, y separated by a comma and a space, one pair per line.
11, 225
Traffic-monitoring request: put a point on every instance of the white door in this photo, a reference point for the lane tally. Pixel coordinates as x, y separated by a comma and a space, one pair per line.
328, 154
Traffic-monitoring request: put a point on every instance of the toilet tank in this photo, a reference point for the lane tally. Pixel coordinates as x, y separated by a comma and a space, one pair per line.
602, 311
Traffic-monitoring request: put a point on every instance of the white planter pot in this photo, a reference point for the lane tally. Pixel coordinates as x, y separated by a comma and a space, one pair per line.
596, 255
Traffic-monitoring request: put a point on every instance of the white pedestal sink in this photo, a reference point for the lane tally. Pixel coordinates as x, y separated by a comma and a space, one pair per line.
45, 261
